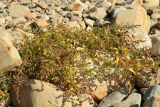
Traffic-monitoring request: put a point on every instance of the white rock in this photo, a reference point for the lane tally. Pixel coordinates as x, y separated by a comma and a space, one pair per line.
9, 57
89, 22
140, 37
17, 10
99, 14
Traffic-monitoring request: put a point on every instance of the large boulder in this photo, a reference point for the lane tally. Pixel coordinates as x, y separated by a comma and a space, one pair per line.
9, 56
114, 97
133, 15
139, 37
35, 93
129, 102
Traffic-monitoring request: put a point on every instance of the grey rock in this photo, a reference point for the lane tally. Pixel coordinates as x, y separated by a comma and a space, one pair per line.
152, 97
152, 91
133, 100
152, 102
117, 10
114, 97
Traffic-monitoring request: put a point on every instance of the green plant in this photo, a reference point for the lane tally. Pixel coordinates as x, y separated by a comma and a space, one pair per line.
71, 59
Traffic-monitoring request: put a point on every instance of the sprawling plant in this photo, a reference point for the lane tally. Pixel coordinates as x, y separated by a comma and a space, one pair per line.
71, 59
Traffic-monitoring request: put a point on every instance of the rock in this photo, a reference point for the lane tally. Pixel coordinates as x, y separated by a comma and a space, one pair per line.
24, 34
105, 4
153, 22
17, 10
42, 4
83, 100
76, 18
9, 57
74, 24
56, 19
138, 2
139, 37
25, 1
2, 5
87, 104
100, 91
155, 16
19, 20
117, 10
154, 27
133, 100
113, 2
2, 21
46, 17
156, 45
157, 32
2, 103
42, 23
67, 104
152, 97
99, 14
31, 15
89, 22
152, 91
34, 93
114, 97
151, 3
143, 91
152, 102
9, 18
82, 24
133, 15
77, 5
